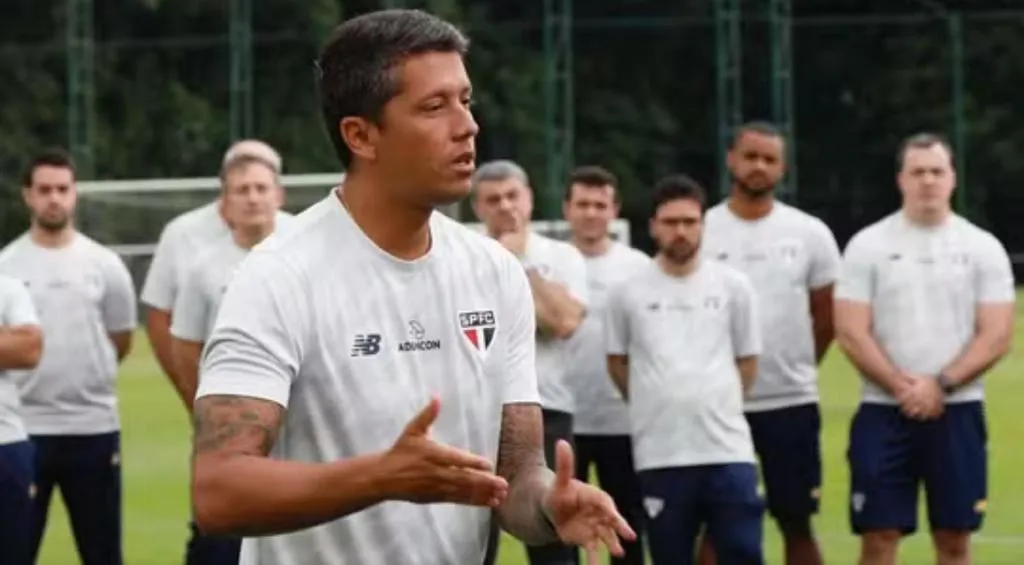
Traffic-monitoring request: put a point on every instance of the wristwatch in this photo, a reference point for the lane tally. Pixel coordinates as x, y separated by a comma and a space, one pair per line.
945, 383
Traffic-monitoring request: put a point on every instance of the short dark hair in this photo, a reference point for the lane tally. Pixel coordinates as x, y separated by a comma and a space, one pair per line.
678, 187
757, 126
52, 157
593, 176
921, 140
356, 66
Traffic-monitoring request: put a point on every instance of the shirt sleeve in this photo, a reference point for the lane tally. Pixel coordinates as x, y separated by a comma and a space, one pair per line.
743, 319
994, 282
825, 258
161, 285
19, 309
120, 310
856, 273
616, 322
257, 344
520, 362
191, 308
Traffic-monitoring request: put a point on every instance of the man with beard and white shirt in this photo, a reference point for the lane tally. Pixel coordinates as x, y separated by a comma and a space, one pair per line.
601, 417
21, 345
682, 339
181, 239
503, 201
85, 299
792, 259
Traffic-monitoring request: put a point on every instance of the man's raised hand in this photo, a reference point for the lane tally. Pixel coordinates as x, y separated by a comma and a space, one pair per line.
420, 470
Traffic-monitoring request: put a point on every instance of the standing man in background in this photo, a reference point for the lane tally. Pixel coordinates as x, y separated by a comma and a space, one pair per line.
251, 197
503, 201
682, 339
924, 307
792, 259
21, 345
601, 418
85, 299
180, 240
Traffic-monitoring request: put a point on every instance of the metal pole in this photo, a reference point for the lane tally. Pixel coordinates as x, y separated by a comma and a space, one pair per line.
956, 37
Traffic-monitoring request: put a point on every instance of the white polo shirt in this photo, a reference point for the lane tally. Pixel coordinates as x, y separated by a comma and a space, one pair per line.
16, 309
600, 409
786, 254
559, 262
353, 342
82, 292
198, 300
924, 285
682, 336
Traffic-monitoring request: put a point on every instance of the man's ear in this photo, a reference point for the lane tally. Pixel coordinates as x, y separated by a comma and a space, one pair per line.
361, 136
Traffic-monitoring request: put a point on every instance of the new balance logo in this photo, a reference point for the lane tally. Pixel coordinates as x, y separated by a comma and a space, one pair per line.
365, 345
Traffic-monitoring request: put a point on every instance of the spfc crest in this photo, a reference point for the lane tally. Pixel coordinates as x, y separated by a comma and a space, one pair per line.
478, 327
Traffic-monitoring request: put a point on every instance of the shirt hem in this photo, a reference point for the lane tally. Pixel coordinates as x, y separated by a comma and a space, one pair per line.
778, 403
696, 463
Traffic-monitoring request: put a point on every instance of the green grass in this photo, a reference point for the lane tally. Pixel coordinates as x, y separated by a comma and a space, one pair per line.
155, 463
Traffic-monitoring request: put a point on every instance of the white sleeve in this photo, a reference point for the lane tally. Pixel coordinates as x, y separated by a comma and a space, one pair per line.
191, 308
743, 319
258, 342
616, 322
993, 281
856, 273
825, 258
19, 309
520, 323
576, 275
119, 306
161, 285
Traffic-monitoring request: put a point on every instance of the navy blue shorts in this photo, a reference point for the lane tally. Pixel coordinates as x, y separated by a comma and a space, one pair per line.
721, 498
211, 550
17, 472
890, 456
788, 444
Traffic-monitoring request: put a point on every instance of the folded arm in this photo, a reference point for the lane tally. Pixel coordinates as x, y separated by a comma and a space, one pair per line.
20, 346
558, 312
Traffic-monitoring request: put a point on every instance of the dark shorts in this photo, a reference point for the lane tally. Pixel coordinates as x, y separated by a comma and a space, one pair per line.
87, 470
211, 550
788, 445
17, 473
891, 455
721, 498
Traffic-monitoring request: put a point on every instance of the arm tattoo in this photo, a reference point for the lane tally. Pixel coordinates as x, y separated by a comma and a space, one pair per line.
235, 425
521, 463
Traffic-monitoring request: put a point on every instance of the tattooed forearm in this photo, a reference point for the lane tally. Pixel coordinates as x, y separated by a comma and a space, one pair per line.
521, 463
235, 424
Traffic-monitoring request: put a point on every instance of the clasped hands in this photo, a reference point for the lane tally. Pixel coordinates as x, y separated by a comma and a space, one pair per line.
920, 397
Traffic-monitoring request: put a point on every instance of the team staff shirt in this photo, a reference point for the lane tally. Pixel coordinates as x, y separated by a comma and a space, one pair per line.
180, 241
16, 309
600, 409
786, 254
682, 336
353, 343
196, 306
559, 262
924, 285
82, 292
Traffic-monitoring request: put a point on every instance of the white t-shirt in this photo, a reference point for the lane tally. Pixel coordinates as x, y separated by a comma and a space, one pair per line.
180, 241
559, 262
16, 309
600, 409
682, 336
924, 286
195, 308
786, 255
353, 342
82, 292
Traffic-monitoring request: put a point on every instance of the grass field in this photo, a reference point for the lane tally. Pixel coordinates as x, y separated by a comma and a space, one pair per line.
155, 462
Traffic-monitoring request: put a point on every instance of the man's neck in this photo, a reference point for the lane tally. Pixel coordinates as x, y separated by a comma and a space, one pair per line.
52, 239
593, 247
679, 269
400, 230
248, 238
748, 208
927, 219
